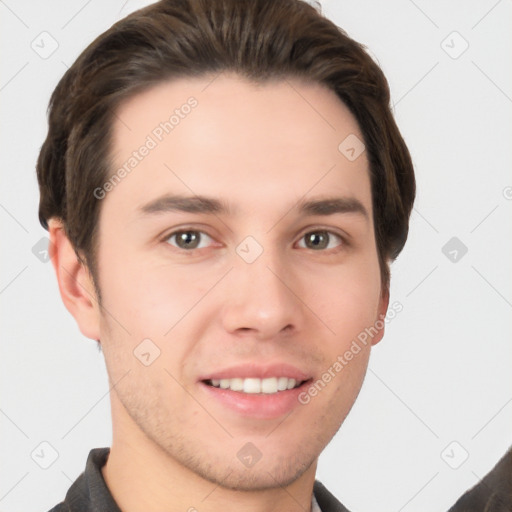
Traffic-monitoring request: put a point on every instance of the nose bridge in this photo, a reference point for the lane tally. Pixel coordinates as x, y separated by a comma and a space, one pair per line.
259, 296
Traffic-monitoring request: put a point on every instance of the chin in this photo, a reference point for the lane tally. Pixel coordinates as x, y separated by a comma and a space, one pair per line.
260, 477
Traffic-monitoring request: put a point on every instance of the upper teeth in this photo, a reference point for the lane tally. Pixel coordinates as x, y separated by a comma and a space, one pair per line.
253, 385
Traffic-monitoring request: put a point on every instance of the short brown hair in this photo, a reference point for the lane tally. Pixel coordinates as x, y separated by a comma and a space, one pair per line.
260, 40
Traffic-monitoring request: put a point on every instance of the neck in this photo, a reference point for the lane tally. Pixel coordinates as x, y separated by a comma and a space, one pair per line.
142, 476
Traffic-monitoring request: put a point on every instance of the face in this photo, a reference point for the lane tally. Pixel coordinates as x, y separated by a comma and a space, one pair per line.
237, 264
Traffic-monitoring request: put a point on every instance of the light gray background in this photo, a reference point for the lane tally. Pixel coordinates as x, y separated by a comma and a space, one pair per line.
442, 372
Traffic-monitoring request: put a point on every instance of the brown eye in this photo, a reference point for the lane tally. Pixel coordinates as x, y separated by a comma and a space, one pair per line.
189, 239
319, 240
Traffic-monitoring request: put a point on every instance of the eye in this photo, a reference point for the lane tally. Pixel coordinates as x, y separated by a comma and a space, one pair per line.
189, 239
320, 240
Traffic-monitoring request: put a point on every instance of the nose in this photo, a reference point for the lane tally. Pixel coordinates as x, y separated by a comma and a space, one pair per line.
262, 299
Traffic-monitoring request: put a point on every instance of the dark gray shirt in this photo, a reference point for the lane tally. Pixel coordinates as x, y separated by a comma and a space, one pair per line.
89, 492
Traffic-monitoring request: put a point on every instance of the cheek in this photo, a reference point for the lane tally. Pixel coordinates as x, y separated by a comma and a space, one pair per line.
149, 298
346, 300
161, 303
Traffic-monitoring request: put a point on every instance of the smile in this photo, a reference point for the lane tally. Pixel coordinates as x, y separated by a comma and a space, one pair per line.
268, 385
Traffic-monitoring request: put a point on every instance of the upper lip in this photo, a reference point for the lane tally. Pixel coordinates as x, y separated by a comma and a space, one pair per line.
258, 371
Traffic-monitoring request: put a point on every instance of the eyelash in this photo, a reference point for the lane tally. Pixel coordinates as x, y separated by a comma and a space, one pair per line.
342, 240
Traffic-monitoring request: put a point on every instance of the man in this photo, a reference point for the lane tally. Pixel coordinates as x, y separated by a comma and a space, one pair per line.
225, 187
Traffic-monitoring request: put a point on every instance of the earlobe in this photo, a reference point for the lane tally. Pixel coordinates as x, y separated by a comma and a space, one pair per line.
383, 309
75, 282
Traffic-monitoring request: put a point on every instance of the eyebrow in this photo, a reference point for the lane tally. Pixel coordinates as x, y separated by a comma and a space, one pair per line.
330, 206
188, 204
202, 204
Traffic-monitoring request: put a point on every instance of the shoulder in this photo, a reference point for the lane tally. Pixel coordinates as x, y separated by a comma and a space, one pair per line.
61, 507
493, 493
326, 501
89, 491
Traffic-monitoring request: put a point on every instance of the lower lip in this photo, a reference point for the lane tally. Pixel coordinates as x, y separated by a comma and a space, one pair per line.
257, 405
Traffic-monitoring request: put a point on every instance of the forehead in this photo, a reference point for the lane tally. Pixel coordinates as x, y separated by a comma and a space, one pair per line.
221, 135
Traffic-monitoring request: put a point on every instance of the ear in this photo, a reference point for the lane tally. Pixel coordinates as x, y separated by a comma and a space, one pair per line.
76, 285
382, 310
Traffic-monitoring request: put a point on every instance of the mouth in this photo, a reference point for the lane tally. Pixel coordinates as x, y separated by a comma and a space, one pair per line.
256, 392
267, 386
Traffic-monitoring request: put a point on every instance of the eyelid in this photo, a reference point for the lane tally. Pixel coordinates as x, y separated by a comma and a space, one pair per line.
345, 237
342, 238
181, 229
